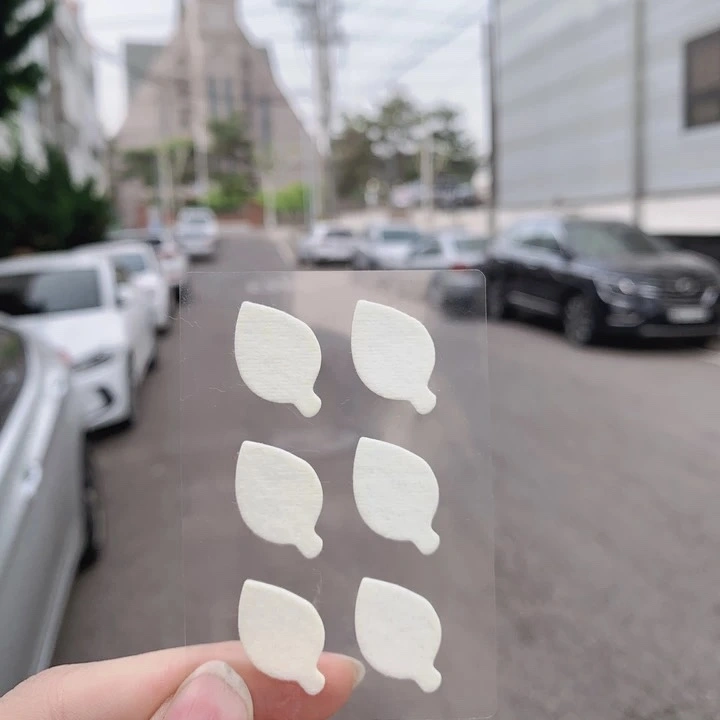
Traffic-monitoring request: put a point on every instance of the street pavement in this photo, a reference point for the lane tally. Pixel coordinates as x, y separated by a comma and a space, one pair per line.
605, 467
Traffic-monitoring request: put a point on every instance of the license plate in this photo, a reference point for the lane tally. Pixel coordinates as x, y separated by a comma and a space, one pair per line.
688, 315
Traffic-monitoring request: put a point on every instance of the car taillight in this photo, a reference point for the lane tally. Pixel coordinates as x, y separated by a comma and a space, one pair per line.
460, 266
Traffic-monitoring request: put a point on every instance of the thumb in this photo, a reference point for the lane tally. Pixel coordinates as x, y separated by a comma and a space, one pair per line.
134, 688
214, 691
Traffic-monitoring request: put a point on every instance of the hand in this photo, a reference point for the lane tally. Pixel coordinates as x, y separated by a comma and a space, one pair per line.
205, 682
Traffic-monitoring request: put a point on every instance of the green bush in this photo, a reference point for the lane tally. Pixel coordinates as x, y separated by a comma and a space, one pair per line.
42, 209
230, 194
289, 201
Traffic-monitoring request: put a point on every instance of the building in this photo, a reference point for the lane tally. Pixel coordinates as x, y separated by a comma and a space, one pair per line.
63, 112
611, 108
210, 70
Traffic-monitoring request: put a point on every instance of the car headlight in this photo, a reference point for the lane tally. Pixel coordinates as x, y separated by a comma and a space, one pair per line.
623, 286
99, 358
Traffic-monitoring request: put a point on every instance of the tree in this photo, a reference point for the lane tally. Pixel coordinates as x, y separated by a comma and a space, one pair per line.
18, 76
455, 152
43, 209
386, 145
232, 165
355, 162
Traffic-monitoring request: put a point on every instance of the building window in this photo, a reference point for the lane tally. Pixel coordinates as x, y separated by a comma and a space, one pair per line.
702, 80
213, 97
229, 97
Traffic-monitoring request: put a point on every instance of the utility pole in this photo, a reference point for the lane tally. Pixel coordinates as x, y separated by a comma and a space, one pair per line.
637, 169
427, 173
321, 20
492, 70
192, 19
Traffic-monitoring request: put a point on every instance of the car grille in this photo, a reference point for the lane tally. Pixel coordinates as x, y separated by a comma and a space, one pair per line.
684, 289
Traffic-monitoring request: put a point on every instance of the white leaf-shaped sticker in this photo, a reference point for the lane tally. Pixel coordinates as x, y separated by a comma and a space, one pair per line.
278, 357
398, 632
394, 354
282, 633
396, 493
280, 497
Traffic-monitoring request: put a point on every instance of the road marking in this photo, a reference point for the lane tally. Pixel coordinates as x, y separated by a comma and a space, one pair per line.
282, 245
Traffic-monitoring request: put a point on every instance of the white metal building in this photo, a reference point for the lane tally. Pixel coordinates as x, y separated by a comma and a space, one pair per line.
611, 107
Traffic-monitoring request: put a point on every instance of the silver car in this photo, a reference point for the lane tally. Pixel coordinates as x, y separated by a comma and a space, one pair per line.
197, 232
326, 244
385, 247
51, 519
456, 256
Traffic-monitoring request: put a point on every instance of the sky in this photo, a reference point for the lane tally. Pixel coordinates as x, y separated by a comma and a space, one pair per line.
383, 38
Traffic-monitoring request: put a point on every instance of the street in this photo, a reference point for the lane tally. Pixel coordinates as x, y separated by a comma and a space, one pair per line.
606, 510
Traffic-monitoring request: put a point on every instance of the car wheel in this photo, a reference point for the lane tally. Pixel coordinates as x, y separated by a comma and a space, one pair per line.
702, 342
497, 304
579, 320
155, 357
94, 510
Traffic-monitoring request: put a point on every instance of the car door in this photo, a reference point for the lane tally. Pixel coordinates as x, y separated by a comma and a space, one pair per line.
510, 263
539, 260
548, 266
138, 320
40, 506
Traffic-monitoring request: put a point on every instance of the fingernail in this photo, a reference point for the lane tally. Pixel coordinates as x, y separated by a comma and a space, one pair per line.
214, 690
358, 669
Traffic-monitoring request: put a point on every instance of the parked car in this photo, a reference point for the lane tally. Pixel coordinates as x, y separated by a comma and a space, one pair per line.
139, 262
172, 258
464, 195
326, 244
84, 305
457, 257
197, 232
385, 247
603, 278
51, 517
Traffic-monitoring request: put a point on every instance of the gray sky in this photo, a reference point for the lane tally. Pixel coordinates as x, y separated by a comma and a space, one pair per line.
383, 34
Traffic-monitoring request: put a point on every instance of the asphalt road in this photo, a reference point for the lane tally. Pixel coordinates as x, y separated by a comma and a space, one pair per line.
606, 507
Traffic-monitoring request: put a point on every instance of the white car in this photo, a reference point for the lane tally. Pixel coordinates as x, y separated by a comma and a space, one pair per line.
327, 244
83, 305
139, 262
51, 517
385, 247
196, 229
172, 258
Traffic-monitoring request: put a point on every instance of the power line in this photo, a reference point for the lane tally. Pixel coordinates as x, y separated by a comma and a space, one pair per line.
425, 47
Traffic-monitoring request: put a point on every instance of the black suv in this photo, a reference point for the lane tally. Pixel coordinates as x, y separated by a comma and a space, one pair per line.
602, 277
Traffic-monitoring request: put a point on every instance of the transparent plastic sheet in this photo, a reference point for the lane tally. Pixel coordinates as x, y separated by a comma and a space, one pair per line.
219, 412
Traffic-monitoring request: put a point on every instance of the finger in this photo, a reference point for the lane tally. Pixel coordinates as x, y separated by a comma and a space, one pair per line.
135, 688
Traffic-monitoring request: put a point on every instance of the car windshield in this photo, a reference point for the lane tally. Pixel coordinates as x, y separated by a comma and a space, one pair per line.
474, 244
194, 218
52, 291
131, 263
339, 235
391, 237
599, 240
